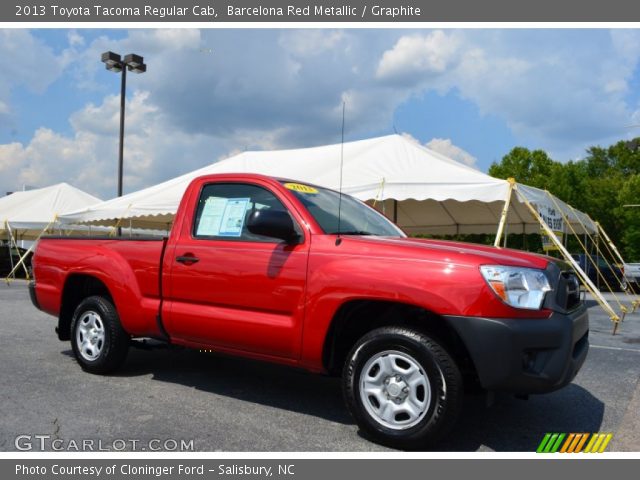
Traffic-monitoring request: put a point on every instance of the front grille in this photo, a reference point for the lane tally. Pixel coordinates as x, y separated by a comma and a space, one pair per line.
568, 296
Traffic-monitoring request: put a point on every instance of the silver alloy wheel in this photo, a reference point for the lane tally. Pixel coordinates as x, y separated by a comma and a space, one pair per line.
395, 389
90, 335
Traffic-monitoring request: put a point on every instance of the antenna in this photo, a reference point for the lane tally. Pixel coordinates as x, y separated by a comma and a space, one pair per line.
339, 239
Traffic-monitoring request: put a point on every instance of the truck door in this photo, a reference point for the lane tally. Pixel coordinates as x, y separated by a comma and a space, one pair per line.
230, 288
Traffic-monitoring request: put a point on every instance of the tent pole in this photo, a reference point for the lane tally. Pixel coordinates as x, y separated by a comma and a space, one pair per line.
21, 262
6, 226
395, 211
611, 244
379, 194
634, 303
583, 276
567, 223
505, 235
26, 254
15, 244
505, 212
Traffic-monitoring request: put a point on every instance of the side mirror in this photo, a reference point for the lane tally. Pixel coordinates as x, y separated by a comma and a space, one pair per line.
273, 223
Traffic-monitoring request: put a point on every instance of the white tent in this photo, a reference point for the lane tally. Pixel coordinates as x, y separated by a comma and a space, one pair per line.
27, 214
423, 190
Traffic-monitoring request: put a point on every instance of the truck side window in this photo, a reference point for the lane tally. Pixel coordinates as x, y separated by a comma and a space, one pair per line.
224, 208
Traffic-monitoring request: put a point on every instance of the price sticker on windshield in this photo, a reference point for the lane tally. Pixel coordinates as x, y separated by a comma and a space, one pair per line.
298, 187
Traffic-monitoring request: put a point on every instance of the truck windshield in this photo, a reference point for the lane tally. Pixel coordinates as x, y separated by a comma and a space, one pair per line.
356, 218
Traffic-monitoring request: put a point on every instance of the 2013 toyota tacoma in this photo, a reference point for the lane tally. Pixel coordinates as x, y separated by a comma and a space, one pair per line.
301, 275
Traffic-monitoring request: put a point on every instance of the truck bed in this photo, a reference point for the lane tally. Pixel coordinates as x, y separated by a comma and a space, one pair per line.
130, 268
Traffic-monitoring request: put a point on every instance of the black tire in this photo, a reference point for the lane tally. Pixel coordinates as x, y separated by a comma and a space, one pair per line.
110, 347
439, 370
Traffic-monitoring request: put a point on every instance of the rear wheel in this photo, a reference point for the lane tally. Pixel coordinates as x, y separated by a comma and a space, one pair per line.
402, 387
99, 342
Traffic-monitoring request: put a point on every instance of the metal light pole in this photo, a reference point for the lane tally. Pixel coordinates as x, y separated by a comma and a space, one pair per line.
114, 63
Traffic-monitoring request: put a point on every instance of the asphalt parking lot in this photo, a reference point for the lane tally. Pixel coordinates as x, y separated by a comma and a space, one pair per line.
228, 404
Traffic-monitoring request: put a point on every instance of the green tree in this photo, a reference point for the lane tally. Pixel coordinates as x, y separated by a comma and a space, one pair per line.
532, 168
599, 185
630, 195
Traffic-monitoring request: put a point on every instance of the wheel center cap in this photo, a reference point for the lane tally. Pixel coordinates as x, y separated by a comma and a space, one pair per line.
394, 390
397, 389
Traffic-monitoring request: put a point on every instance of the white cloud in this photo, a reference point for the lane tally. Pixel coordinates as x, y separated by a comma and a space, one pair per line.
164, 40
561, 90
5, 114
416, 56
445, 146
207, 93
87, 158
310, 42
26, 62
448, 149
75, 39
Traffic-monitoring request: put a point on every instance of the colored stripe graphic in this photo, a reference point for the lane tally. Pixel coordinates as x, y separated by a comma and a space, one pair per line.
551, 443
593, 439
567, 443
574, 442
543, 443
600, 442
581, 444
556, 445
606, 442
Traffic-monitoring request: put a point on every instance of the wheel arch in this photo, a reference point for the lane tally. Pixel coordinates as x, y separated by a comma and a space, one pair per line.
77, 287
355, 318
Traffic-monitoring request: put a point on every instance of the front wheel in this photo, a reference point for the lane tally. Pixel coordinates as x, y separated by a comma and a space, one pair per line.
99, 342
402, 387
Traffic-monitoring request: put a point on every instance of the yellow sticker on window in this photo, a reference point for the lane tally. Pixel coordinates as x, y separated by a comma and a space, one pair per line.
298, 187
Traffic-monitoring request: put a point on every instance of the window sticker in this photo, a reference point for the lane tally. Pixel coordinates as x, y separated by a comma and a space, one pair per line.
233, 217
222, 217
298, 187
211, 217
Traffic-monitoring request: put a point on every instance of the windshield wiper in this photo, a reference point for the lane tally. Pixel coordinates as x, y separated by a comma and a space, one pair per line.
351, 232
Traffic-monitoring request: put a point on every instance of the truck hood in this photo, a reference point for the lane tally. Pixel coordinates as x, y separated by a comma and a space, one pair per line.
456, 252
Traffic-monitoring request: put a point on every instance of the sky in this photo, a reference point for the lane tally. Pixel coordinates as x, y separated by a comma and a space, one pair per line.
472, 94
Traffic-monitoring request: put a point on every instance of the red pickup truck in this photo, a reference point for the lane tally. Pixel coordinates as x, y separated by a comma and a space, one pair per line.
298, 274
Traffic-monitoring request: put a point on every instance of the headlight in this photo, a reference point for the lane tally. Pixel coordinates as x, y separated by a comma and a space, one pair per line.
517, 286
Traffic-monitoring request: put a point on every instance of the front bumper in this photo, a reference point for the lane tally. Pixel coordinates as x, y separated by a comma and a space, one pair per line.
525, 356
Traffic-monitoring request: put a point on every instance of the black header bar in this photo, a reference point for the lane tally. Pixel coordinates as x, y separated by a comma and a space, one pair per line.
390, 11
